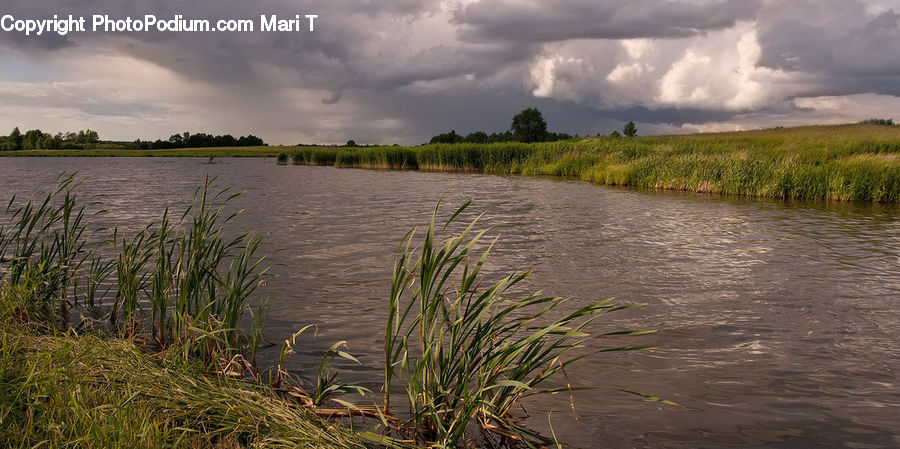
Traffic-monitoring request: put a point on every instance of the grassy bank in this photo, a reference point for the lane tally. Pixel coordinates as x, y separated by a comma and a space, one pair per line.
852, 162
65, 390
89, 383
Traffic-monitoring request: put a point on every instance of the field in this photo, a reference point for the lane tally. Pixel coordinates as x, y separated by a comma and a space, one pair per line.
841, 162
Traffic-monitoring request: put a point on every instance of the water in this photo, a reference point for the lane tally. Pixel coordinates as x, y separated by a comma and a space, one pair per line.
779, 322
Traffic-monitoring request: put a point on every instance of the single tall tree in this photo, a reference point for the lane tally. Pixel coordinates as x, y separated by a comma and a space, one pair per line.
630, 129
529, 126
14, 142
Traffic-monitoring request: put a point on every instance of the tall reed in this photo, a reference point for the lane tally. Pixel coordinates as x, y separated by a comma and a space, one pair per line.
466, 352
42, 247
197, 277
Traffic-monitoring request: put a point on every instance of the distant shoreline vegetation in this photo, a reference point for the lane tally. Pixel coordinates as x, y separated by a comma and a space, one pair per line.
527, 126
835, 163
36, 139
858, 162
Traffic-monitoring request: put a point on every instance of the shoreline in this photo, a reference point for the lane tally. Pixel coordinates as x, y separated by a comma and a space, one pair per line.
830, 163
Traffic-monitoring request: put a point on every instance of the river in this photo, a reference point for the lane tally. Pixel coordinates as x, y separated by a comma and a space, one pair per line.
778, 322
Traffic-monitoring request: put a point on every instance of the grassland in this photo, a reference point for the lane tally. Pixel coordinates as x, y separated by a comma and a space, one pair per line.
842, 162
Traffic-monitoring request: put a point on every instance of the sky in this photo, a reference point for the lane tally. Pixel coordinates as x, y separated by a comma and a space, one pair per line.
401, 71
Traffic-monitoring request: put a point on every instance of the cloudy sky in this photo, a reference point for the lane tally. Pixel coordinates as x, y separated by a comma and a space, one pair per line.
403, 70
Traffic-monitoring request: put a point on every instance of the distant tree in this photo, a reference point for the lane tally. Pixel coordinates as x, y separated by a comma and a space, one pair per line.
529, 126
477, 137
630, 129
553, 137
33, 140
351, 143
226, 141
505, 136
615, 134
251, 141
450, 137
14, 141
878, 122
54, 142
91, 136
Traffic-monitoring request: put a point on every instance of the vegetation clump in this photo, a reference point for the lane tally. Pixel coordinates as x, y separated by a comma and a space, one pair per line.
468, 353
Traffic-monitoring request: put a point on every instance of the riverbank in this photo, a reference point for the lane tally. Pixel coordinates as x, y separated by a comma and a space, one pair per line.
836, 163
93, 383
842, 163
60, 389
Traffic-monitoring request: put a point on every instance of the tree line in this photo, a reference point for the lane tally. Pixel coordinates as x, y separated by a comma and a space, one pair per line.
527, 126
201, 140
36, 139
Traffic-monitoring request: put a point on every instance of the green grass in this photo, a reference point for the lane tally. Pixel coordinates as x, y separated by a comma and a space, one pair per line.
844, 163
62, 390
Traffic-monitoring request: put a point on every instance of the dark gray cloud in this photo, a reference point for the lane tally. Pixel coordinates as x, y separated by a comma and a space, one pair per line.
831, 37
557, 20
403, 70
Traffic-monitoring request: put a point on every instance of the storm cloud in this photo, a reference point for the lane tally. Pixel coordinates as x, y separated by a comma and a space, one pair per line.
403, 70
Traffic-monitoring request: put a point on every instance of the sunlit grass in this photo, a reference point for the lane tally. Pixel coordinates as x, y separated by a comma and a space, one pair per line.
69, 391
845, 163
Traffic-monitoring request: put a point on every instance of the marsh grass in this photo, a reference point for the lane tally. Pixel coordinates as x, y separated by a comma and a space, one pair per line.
197, 278
466, 353
42, 248
62, 389
842, 163
69, 391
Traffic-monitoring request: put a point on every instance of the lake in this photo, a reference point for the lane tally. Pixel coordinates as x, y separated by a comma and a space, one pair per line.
779, 322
